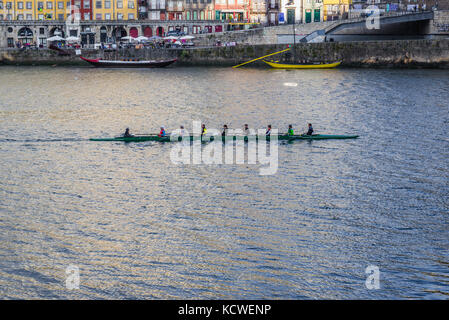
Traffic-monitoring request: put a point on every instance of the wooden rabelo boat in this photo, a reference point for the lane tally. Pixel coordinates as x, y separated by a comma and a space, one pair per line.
129, 63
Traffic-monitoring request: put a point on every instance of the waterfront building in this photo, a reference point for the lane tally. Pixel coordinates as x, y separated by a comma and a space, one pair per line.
258, 11
312, 11
33, 10
82, 9
336, 9
115, 10
273, 9
232, 10
291, 11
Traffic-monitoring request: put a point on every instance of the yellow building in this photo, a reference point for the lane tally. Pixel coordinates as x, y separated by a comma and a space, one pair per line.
114, 10
33, 10
335, 9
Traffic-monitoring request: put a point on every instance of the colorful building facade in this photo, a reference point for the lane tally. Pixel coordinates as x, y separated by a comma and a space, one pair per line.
33, 10
336, 9
115, 10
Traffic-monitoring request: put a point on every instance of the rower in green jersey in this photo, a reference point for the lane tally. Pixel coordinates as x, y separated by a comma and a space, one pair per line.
290, 131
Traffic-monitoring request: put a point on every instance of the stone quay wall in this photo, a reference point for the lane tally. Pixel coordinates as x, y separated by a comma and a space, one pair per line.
394, 53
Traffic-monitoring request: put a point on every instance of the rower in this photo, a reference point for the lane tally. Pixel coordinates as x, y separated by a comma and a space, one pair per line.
127, 134
245, 129
268, 130
203, 129
290, 131
162, 132
310, 131
225, 130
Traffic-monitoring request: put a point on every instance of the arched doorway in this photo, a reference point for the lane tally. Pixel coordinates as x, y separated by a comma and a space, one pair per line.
133, 32
118, 33
160, 31
56, 31
25, 35
147, 32
103, 34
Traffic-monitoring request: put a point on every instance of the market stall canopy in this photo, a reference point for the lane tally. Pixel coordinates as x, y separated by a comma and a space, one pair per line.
187, 38
55, 38
142, 38
72, 39
170, 38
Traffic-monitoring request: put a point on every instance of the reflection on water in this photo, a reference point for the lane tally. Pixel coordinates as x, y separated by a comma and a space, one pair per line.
138, 226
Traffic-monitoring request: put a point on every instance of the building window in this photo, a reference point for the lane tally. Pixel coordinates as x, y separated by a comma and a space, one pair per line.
40, 5
40, 17
86, 5
60, 5
8, 5
107, 16
20, 17
29, 5
130, 4
20, 5
49, 5
98, 5
107, 4
1, 7
61, 17
119, 16
131, 16
119, 4
29, 17
98, 16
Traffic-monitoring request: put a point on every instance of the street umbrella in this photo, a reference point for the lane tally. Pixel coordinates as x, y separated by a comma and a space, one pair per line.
142, 38
170, 38
55, 38
72, 39
187, 38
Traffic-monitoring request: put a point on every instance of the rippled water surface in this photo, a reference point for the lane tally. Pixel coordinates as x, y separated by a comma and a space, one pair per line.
138, 226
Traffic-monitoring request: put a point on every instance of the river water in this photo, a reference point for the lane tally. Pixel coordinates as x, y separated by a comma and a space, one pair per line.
138, 226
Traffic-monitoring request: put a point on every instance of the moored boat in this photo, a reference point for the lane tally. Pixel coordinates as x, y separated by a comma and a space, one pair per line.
129, 63
277, 65
207, 138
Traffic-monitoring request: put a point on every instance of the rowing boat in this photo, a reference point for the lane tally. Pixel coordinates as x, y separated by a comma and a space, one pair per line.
129, 63
276, 65
224, 139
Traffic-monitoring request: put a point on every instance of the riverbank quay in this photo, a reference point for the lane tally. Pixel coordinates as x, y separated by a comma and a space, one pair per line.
387, 54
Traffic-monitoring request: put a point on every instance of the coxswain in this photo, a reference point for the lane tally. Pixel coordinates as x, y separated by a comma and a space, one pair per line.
203, 129
268, 130
162, 132
127, 134
290, 131
310, 130
225, 130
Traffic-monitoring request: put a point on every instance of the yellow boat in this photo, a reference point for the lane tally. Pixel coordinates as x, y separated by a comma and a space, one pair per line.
275, 64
